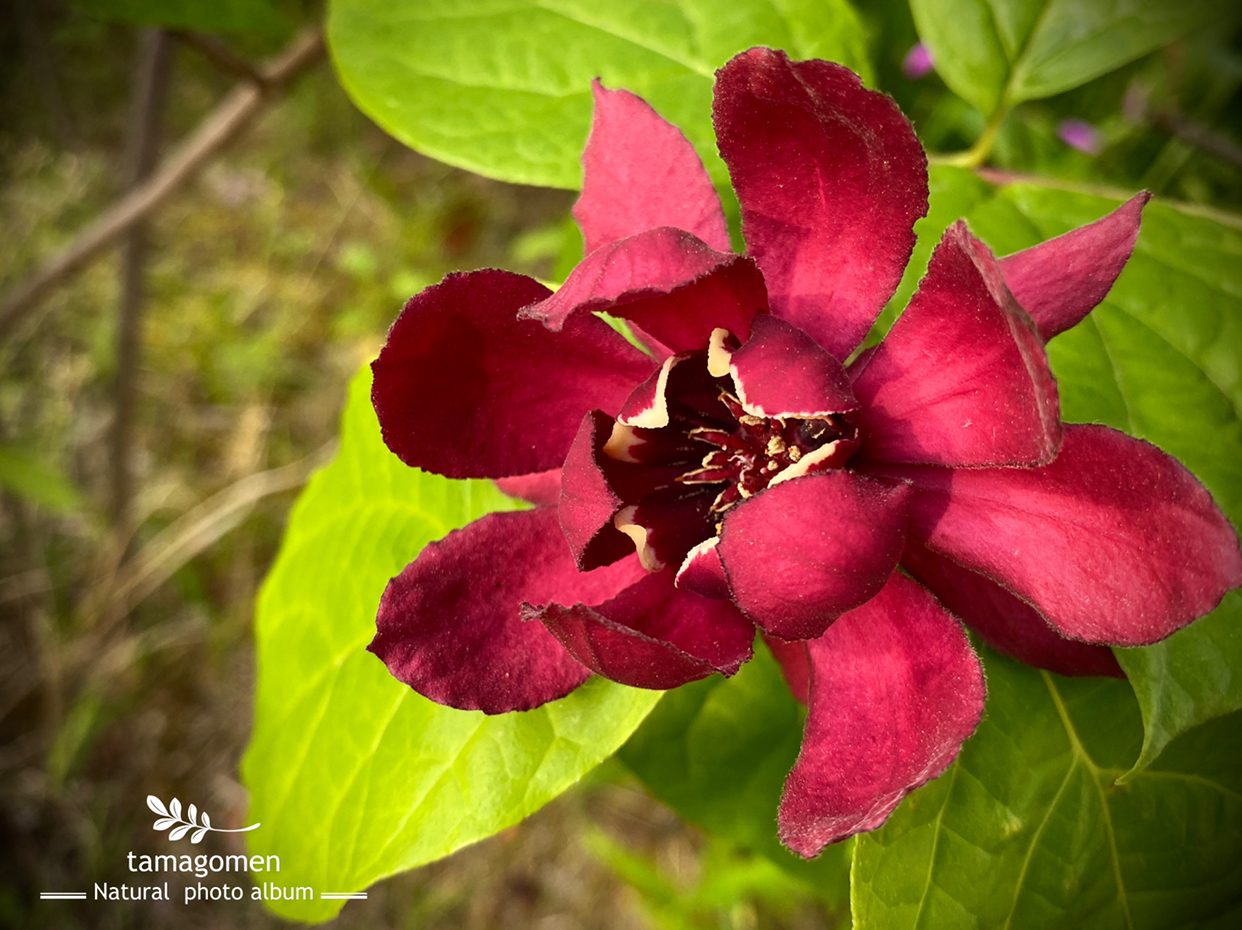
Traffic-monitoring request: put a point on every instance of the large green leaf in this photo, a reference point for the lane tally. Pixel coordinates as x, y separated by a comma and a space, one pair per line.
1075, 804
352, 775
996, 53
1161, 359
239, 17
502, 87
718, 751
1029, 828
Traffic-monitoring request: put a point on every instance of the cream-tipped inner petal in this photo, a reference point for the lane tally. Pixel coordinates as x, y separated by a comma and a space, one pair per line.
655, 415
621, 442
718, 354
807, 462
702, 548
624, 521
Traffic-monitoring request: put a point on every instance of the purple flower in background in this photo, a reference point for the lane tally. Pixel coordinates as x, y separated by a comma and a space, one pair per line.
754, 470
1081, 135
918, 62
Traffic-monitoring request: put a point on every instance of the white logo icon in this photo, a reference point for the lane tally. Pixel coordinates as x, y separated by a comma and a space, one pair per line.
195, 820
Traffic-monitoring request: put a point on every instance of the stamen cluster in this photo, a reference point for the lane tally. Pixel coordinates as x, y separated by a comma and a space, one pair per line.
761, 451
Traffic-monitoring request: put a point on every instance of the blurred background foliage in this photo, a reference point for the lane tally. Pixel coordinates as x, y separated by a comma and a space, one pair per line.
126, 657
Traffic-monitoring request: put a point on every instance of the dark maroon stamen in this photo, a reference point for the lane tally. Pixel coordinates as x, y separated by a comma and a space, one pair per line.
745, 454
760, 448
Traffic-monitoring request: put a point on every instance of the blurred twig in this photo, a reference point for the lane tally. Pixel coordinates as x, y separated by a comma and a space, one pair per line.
221, 56
151, 78
219, 126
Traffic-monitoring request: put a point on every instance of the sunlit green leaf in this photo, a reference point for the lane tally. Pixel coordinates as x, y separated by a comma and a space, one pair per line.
352, 775
1001, 52
502, 87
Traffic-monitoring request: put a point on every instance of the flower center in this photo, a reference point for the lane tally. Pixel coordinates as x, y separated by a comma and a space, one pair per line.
761, 451
677, 480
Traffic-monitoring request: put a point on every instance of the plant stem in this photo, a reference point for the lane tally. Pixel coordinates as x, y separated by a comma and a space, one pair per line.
975, 156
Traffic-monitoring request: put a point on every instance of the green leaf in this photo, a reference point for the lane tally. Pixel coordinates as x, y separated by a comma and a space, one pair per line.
352, 775
1160, 359
1029, 828
995, 53
502, 87
1076, 804
239, 17
717, 751
33, 479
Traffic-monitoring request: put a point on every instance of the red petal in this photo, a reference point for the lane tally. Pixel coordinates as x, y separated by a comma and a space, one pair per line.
831, 179
895, 691
702, 573
541, 487
667, 523
782, 372
1060, 281
670, 284
450, 625
801, 553
652, 635
588, 502
795, 663
640, 172
1005, 622
962, 377
1114, 542
465, 389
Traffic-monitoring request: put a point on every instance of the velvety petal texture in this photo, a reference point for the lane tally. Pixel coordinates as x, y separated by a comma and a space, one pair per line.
1114, 542
588, 502
639, 172
803, 552
962, 377
672, 285
831, 178
450, 624
781, 372
542, 487
894, 691
652, 635
465, 389
702, 573
1060, 281
795, 663
1004, 621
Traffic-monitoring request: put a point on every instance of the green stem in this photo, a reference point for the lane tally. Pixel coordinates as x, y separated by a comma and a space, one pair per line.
974, 156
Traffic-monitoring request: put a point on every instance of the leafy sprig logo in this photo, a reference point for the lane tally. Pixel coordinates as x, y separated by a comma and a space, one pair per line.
170, 816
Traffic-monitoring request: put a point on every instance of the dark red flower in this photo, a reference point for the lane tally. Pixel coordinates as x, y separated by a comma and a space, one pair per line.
742, 475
